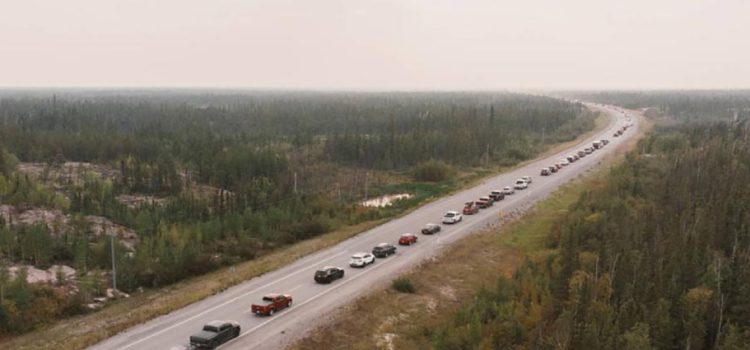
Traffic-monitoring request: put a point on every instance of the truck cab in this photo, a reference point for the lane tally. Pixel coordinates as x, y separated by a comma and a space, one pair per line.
214, 334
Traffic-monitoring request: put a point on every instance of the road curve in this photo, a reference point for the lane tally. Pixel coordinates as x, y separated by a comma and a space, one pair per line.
313, 301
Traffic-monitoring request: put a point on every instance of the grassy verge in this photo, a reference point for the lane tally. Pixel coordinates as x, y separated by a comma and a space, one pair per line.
80, 332
390, 318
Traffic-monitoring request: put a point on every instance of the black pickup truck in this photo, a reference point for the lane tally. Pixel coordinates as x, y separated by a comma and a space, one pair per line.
214, 334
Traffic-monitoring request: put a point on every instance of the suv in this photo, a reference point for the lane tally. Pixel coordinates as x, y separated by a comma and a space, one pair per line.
553, 169
383, 250
508, 190
452, 217
545, 172
406, 239
527, 179
497, 195
470, 208
329, 274
430, 229
521, 184
361, 260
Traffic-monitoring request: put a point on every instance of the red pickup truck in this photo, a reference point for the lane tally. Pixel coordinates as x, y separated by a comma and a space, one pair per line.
272, 303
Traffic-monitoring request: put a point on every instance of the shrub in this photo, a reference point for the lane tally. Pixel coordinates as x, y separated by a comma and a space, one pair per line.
403, 285
433, 171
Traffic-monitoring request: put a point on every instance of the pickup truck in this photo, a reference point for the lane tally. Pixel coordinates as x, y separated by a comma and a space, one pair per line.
470, 208
272, 303
214, 334
484, 202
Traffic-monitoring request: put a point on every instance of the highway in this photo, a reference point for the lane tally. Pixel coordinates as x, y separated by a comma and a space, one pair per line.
313, 302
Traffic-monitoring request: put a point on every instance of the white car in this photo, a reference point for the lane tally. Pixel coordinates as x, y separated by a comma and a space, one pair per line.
508, 190
361, 259
527, 179
452, 217
564, 161
521, 184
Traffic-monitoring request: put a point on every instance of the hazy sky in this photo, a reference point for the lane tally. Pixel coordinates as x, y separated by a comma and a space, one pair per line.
376, 44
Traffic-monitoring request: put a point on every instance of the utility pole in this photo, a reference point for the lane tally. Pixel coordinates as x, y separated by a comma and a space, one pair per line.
114, 269
367, 175
295, 182
487, 156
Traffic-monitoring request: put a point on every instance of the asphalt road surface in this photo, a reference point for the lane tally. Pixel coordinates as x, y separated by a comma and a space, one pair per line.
312, 301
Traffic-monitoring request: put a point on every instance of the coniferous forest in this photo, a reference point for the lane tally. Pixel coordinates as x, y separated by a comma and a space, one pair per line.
188, 181
656, 256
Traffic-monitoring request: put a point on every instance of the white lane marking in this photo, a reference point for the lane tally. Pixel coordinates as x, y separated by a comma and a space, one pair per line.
464, 227
313, 298
225, 303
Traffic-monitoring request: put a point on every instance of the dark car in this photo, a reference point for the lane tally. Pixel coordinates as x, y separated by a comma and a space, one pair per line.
545, 172
553, 169
214, 334
497, 195
383, 250
329, 274
430, 229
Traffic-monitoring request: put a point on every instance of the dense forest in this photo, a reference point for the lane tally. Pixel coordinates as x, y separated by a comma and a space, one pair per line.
189, 181
688, 106
656, 257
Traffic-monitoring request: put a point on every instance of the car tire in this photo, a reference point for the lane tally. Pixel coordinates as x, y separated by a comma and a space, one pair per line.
236, 333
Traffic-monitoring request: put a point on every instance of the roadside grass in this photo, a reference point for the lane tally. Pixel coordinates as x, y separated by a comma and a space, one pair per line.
86, 330
80, 332
389, 319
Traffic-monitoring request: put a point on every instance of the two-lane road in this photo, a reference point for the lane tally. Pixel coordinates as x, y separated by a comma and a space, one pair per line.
312, 301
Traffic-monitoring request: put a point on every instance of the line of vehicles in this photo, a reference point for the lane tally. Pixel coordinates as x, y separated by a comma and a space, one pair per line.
573, 157
218, 332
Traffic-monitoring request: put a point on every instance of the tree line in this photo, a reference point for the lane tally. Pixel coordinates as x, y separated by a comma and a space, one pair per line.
656, 257
224, 163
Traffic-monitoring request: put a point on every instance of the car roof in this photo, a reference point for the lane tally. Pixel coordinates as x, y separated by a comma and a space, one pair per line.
216, 323
452, 212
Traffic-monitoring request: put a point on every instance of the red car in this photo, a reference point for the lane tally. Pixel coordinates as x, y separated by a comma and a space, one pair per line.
272, 303
407, 239
470, 208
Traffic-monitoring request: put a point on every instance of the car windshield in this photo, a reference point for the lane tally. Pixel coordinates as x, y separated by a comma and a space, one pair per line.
356, 258
449, 215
